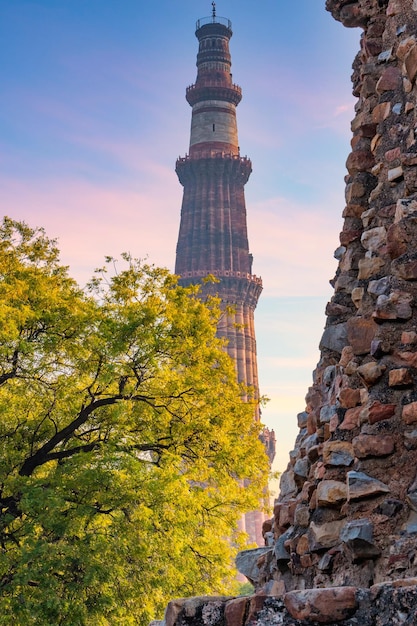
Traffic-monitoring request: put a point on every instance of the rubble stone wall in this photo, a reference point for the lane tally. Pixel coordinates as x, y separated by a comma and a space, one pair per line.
381, 605
347, 511
341, 547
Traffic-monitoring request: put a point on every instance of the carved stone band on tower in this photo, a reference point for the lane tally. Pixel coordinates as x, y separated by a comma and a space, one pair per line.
213, 236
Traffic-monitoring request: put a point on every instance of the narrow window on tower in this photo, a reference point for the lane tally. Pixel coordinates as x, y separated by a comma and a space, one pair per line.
214, 127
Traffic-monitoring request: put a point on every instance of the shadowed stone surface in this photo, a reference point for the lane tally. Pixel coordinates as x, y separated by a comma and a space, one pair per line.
321, 605
360, 510
247, 562
362, 406
385, 604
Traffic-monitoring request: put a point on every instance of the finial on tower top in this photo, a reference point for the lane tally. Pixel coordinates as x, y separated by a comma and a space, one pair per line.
212, 19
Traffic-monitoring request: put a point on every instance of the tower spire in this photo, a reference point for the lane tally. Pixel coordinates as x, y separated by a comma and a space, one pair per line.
213, 237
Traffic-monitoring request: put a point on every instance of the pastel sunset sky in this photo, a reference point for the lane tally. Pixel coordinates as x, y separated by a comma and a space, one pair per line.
93, 116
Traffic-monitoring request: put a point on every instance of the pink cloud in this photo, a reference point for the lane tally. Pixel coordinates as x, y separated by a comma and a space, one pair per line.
91, 221
294, 254
341, 109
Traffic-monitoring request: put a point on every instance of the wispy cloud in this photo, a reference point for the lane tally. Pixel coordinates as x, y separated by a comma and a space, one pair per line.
341, 109
91, 221
293, 247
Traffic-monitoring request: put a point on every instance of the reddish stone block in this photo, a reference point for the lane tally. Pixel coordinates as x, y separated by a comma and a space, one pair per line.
373, 445
381, 112
256, 604
388, 212
395, 7
235, 610
361, 331
292, 505
173, 610
353, 210
409, 336
275, 588
351, 419
394, 559
349, 398
321, 605
267, 526
393, 154
367, 130
302, 545
334, 423
409, 413
411, 63
306, 492
397, 240
285, 516
346, 356
312, 505
369, 267
311, 424
389, 80
373, 47
393, 584
395, 306
333, 309
371, 372
378, 412
306, 560
320, 471
405, 268
400, 377
360, 161
347, 236
313, 399
410, 358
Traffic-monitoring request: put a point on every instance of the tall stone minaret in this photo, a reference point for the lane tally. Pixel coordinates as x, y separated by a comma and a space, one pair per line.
213, 232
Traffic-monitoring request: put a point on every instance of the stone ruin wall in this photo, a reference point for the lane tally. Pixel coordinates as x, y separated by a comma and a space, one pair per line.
347, 512
343, 539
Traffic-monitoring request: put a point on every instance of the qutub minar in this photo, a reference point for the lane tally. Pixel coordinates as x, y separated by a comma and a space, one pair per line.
213, 231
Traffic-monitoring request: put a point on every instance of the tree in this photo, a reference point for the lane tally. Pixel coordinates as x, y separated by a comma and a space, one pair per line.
124, 441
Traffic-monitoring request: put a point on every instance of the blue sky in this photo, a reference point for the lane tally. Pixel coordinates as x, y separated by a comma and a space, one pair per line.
93, 116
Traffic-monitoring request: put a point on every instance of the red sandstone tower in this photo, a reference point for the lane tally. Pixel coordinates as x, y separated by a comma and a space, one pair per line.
213, 231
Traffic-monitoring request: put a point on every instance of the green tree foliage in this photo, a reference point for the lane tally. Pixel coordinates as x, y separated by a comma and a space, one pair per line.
124, 443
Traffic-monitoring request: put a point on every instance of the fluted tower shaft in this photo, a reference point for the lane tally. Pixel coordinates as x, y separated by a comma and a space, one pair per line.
213, 230
213, 235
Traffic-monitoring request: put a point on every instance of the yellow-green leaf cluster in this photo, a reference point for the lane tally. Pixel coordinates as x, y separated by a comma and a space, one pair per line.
127, 454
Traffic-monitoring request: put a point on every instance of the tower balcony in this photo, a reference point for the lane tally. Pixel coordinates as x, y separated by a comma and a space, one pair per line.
230, 286
216, 19
216, 154
213, 163
222, 273
213, 90
213, 25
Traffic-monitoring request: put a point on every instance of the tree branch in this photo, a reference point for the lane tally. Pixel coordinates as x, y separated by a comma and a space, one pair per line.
13, 372
64, 454
42, 455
